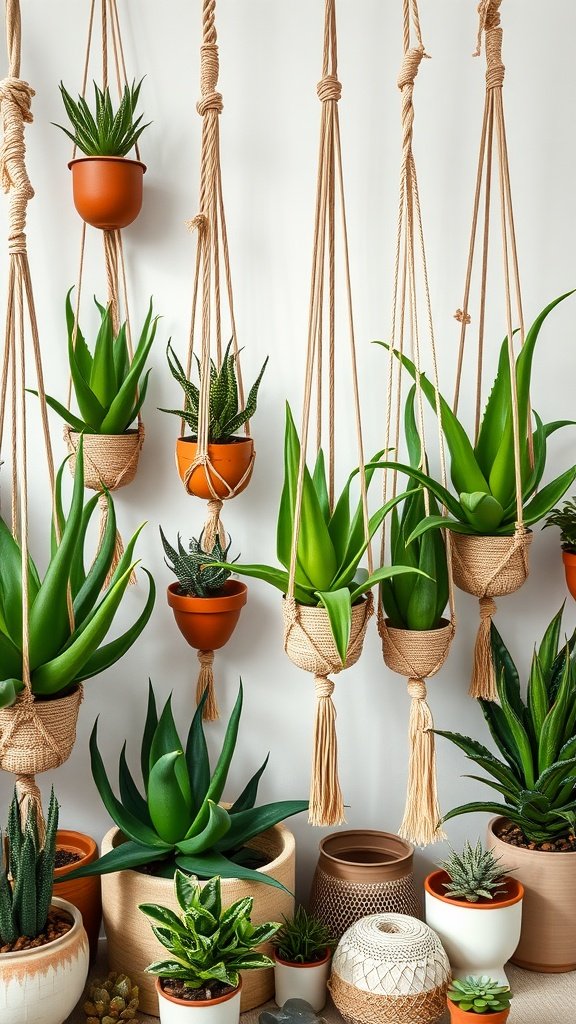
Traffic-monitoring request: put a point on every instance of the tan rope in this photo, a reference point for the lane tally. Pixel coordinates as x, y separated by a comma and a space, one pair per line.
206, 683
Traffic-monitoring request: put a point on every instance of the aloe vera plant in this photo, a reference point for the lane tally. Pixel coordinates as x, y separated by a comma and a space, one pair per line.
107, 383
177, 821
536, 737
104, 133
62, 655
483, 474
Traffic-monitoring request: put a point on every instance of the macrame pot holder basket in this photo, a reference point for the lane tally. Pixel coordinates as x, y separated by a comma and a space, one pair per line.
110, 460
416, 653
38, 735
490, 566
308, 639
390, 969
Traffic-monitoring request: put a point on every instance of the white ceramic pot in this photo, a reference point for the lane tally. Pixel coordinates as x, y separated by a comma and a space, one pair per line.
478, 937
225, 1010
43, 985
302, 981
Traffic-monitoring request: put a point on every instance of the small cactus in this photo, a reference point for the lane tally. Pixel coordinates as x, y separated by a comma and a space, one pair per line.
111, 1000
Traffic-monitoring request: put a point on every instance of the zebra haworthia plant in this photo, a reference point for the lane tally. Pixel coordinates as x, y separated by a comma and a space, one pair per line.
26, 873
474, 874
199, 573
104, 133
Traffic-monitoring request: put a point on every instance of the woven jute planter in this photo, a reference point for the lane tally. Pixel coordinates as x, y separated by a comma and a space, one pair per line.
110, 460
490, 566
390, 969
308, 639
38, 736
416, 654
131, 942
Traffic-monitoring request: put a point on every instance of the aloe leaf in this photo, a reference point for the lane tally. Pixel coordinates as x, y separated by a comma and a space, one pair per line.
286, 511
74, 421
482, 511
384, 573
122, 404
436, 488
548, 650
543, 502
88, 594
247, 798
130, 795
216, 828
168, 808
165, 741
486, 807
320, 486
110, 653
11, 585
358, 543
413, 440
197, 760
254, 821
9, 688
277, 578
495, 414
124, 857
121, 357
339, 608
520, 737
150, 726
424, 598
551, 736
206, 865
220, 774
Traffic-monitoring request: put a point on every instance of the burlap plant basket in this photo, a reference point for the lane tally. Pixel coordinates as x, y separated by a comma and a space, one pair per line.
38, 735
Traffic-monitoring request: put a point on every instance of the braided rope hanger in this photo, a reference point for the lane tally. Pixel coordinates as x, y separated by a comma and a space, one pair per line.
313, 648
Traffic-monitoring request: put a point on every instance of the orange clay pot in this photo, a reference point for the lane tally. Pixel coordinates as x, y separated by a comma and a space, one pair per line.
570, 569
107, 190
458, 1016
85, 893
231, 461
207, 623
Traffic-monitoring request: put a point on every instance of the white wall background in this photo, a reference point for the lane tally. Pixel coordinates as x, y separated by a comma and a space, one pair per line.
270, 64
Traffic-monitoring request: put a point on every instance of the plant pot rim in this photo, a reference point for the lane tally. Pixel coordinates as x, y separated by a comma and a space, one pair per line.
56, 944
113, 159
441, 628
521, 850
568, 556
235, 596
494, 1017
433, 883
490, 536
198, 1003
76, 842
290, 963
86, 433
372, 834
192, 439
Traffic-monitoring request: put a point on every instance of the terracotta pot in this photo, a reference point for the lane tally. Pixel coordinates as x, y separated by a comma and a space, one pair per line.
207, 623
362, 872
224, 1010
85, 893
233, 462
458, 1016
478, 937
548, 936
107, 190
570, 570
302, 981
132, 944
43, 985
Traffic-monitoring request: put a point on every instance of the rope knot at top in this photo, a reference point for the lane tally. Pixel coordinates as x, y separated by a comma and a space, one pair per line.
416, 689
324, 686
15, 100
329, 88
410, 65
209, 70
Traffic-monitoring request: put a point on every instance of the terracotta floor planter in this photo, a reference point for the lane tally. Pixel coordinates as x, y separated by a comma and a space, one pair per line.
107, 190
302, 981
570, 570
131, 942
458, 1016
548, 935
225, 1010
207, 623
85, 893
232, 462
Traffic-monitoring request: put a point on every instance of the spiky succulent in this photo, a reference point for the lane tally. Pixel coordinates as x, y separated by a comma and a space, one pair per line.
565, 519
475, 874
104, 133
24, 903
111, 1000
479, 995
303, 940
194, 569
225, 415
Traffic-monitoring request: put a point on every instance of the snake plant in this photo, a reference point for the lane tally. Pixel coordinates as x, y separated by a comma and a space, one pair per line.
177, 820
24, 904
199, 573
483, 474
104, 133
536, 737
106, 384
63, 654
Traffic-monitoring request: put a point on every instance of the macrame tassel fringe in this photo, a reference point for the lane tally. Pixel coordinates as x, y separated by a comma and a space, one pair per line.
118, 547
422, 811
213, 528
326, 803
483, 683
206, 683
29, 797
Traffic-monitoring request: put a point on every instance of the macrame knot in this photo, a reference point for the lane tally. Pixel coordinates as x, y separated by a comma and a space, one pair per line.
410, 64
329, 88
461, 317
198, 223
206, 658
324, 686
488, 607
213, 528
209, 69
494, 67
212, 101
15, 99
19, 93
489, 11
416, 689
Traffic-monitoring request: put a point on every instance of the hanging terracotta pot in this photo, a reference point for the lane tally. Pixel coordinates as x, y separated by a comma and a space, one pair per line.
107, 190
85, 893
489, 566
40, 738
110, 460
207, 623
226, 473
569, 560
459, 1016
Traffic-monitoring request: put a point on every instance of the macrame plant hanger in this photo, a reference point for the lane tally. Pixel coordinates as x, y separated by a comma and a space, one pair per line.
490, 567
110, 460
35, 735
413, 653
308, 640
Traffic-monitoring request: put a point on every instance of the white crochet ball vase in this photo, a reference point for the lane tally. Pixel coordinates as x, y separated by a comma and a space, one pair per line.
390, 969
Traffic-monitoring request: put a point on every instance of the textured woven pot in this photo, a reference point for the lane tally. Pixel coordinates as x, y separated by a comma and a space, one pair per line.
489, 566
109, 459
362, 872
390, 969
39, 736
131, 943
548, 934
416, 654
308, 639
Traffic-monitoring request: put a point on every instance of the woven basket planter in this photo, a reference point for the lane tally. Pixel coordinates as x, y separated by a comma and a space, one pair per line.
110, 460
390, 969
416, 654
309, 643
489, 566
39, 736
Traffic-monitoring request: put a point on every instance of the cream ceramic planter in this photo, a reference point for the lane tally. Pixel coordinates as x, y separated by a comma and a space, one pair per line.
43, 985
478, 937
225, 1010
132, 944
302, 981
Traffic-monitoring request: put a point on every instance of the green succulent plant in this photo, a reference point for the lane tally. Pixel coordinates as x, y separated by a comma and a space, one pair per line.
177, 822
62, 654
114, 999
199, 573
225, 415
536, 737
207, 943
479, 995
107, 383
474, 874
483, 474
104, 133
565, 519
25, 900
304, 939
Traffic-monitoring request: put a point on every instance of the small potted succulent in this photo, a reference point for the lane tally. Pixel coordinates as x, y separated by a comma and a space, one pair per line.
475, 908
470, 996
230, 457
107, 187
40, 935
303, 949
565, 519
113, 999
208, 945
